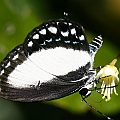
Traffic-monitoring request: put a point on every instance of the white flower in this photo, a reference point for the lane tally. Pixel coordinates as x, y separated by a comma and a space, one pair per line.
108, 76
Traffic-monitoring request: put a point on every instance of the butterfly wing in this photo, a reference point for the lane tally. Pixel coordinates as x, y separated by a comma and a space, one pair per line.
51, 63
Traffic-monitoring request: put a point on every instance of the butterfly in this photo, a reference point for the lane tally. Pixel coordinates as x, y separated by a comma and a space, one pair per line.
54, 61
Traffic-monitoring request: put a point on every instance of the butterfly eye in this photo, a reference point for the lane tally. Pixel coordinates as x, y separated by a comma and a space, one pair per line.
84, 92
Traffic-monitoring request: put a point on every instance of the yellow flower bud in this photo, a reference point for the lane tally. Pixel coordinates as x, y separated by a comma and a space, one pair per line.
108, 76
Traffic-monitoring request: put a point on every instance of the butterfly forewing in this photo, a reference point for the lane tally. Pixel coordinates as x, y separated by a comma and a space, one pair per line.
51, 63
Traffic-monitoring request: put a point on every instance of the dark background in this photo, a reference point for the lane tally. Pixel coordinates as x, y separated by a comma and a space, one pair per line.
17, 18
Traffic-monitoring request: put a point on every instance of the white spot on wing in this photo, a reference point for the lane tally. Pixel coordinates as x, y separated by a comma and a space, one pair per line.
43, 31
65, 34
8, 64
15, 57
73, 31
50, 40
65, 23
42, 66
47, 24
30, 44
59, 39
82, 37
2, 72
36, 36
70, 24
53, 30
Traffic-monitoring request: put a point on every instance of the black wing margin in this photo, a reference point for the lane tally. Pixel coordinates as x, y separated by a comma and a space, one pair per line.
46, 91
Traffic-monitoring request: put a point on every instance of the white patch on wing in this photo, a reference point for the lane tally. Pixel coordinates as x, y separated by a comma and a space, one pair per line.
53, 30
36, 36
73, 31
8, 64
15, 57
43, 31
42, 66
2, 72
30, 44
70, 24
82, 37
65, 34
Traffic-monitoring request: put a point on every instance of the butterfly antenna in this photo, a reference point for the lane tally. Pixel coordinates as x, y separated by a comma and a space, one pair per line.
83, 99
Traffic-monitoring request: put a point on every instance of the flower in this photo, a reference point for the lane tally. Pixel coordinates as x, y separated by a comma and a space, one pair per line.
108, 76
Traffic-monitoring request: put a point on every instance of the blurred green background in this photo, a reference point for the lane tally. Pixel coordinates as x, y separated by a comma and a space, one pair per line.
17, 18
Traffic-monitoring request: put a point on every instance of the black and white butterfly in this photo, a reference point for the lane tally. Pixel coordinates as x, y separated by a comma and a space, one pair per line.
54, 61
